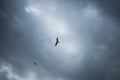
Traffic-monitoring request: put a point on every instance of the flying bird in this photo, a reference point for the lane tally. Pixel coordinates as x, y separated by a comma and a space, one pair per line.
35, 63
57, 41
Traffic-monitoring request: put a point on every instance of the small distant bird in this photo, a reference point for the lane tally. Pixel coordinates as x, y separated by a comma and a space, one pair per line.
35, 63
57, 41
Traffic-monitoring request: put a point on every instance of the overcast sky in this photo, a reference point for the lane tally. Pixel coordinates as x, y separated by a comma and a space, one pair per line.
88, 31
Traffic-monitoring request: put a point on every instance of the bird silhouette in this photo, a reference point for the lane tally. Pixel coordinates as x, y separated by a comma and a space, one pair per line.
57, 41
35, 63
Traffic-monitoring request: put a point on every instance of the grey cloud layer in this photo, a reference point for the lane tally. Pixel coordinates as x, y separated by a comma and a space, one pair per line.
96, 29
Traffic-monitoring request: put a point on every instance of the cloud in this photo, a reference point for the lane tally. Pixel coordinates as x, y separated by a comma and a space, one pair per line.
88, 40
68, 55
8, 72
110, 9
90, 12
12, 75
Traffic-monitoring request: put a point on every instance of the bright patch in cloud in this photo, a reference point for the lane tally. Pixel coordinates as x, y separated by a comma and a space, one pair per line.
90, 11
54, 25
11, 75
33, 9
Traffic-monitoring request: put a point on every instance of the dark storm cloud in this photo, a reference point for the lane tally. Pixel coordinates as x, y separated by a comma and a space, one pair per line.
109, 7
3, 77
13, 38
21, 42
16, 42
108, 34
110, 62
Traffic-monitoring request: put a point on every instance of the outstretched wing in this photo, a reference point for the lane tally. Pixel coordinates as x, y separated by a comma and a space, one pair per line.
57, 41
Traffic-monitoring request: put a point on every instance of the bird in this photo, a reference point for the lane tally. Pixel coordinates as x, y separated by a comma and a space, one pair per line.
57, 41
35, 63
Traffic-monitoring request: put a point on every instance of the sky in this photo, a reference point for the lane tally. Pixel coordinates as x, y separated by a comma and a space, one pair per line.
88, 32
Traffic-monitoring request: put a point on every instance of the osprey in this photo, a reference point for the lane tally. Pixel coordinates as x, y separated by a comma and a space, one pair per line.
57, 41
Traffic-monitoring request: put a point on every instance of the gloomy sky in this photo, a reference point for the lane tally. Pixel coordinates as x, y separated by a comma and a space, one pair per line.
88, 31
